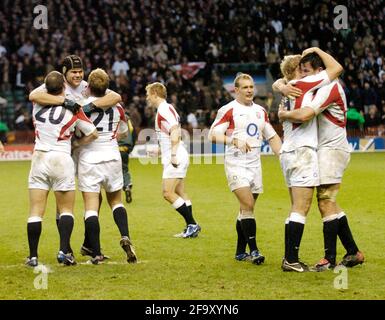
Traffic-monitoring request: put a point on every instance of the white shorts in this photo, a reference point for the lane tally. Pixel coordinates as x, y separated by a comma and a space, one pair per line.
75, 159
170, 172
300, 167
332, 164
240, 177
93, 176
52, 170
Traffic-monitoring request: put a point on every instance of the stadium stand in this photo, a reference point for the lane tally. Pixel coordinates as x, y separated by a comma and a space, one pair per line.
142, 41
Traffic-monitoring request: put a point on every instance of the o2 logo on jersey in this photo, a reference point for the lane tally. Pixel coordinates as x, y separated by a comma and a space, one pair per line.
252, 130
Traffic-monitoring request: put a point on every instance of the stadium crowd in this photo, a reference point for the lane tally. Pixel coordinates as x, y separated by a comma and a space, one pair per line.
141, 41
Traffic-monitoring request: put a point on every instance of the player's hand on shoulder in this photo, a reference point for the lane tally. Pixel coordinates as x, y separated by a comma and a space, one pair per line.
288, 90
71, 106
87, 108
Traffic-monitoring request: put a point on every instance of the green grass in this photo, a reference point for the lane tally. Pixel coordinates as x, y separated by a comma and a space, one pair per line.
202, 268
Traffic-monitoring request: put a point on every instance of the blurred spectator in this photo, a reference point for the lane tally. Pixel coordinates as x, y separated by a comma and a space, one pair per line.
120, 66
354, 96
160, 51
138, 42
354, 119
20, 80
26, 49
4, 75
3, 50
277, 25
3, 103
23, 120
369, 97
372, 120
149, 117
381, 128
289, 34
383, 113
135, 116
3, 132
192, 121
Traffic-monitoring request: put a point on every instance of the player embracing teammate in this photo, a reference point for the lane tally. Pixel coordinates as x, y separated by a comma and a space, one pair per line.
315, 120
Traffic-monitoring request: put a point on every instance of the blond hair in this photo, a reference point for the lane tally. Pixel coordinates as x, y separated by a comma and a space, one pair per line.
288, 66
98, 82
241, 76
157, 88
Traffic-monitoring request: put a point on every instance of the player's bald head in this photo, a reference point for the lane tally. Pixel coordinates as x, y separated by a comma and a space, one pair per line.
54, 82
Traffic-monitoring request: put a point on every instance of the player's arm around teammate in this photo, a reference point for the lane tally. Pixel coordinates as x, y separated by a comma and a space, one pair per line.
100, 167
332, 67
73, 71
52, 168
329, 105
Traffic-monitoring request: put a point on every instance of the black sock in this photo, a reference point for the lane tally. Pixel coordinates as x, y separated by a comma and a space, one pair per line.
34, 232
286, 239
346, 236
189, 207
241, 242
66, 225
186, 214
86, 242
92, 228
249, 228
120, 217
330, 230
295, 232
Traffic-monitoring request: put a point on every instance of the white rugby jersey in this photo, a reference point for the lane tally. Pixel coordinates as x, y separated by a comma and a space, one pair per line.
247, 123
297, 135
330, 105
166, 117
78, 94
109, 123
54, 127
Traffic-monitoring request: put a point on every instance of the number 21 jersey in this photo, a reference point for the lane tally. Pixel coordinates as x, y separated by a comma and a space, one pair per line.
109, 123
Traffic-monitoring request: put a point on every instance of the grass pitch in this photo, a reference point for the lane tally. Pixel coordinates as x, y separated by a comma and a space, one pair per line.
201, 268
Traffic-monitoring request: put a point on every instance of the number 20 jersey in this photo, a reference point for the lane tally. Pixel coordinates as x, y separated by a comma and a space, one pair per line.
247, 123
54, 127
